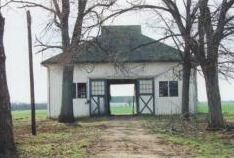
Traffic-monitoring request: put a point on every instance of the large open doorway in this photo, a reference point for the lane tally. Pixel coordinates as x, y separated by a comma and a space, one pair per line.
122, 98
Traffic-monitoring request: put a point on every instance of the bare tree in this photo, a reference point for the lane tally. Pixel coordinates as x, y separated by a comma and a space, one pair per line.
86, 11
177, 36
202, 28
7, 144
211, 30
183, 45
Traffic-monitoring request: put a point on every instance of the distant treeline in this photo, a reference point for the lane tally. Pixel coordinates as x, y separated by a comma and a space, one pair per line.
26, 106
226, 102
121, 99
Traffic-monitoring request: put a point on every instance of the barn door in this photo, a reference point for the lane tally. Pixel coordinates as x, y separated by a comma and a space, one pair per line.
145, 96
98, 97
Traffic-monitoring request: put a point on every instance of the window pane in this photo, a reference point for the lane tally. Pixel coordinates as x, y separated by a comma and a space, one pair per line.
98, 88
82, 90
163, 89
146, 86
173, 88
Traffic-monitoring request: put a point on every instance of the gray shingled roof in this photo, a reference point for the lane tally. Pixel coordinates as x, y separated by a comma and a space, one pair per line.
120, 44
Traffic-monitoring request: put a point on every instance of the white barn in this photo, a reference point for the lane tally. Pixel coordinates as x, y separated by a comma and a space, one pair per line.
121, 55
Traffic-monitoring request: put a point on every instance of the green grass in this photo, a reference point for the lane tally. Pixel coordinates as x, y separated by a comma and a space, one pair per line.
227, 107
122, 110
60, 140
26, 114
200, 142
53, 139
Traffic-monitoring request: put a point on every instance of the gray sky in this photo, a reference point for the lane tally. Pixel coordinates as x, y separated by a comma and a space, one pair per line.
17, 56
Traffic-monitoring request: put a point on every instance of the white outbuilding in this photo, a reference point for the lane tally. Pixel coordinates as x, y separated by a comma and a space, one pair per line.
121, 55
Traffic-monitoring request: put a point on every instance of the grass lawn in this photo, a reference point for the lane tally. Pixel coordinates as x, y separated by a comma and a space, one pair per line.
26, 115
122, 110
54, 139
227, 107
201, 143
60, 140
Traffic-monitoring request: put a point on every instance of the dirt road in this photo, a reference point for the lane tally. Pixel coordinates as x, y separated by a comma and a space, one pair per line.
127, 138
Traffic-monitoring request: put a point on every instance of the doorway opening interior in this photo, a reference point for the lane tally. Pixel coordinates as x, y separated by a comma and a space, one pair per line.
122, 99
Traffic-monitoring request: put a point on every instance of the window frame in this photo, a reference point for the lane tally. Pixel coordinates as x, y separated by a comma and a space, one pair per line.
162, 96
168, 89
81, 94
146, 86
76, 93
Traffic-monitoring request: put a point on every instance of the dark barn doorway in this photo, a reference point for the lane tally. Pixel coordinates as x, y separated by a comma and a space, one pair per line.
121, 97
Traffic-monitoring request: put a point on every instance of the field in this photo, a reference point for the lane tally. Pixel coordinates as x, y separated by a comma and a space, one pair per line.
85, 138
24, 115
53, 139
227, 107
201, 142
122, 110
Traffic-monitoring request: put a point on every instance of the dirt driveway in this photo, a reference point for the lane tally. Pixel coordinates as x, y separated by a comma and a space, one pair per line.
127, 138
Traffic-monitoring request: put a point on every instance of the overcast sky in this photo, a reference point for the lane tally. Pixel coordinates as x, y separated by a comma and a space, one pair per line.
17, 56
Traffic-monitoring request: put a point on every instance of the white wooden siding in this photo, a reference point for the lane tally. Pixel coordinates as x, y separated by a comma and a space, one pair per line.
55, 90
161, 71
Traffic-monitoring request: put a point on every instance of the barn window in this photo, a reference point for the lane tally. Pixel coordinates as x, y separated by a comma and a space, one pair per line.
98, 88
173, 88
146, 86
163, 88
168, 88
81, 90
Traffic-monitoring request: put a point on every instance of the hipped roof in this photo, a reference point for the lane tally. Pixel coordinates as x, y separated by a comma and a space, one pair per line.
119, 44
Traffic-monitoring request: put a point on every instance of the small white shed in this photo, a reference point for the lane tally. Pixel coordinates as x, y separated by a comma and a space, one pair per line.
121, 55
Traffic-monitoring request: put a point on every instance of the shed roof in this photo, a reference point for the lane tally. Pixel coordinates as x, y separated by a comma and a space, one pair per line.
119, 44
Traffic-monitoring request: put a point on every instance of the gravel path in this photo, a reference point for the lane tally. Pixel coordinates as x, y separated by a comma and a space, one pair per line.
127, 138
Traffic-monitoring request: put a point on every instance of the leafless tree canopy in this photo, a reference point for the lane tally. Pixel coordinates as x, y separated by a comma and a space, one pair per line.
76, 20
202, 29
205, 26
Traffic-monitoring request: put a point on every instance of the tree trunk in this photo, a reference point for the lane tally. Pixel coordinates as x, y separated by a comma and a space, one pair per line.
7, 144
66, 114
214, 100
185, 88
